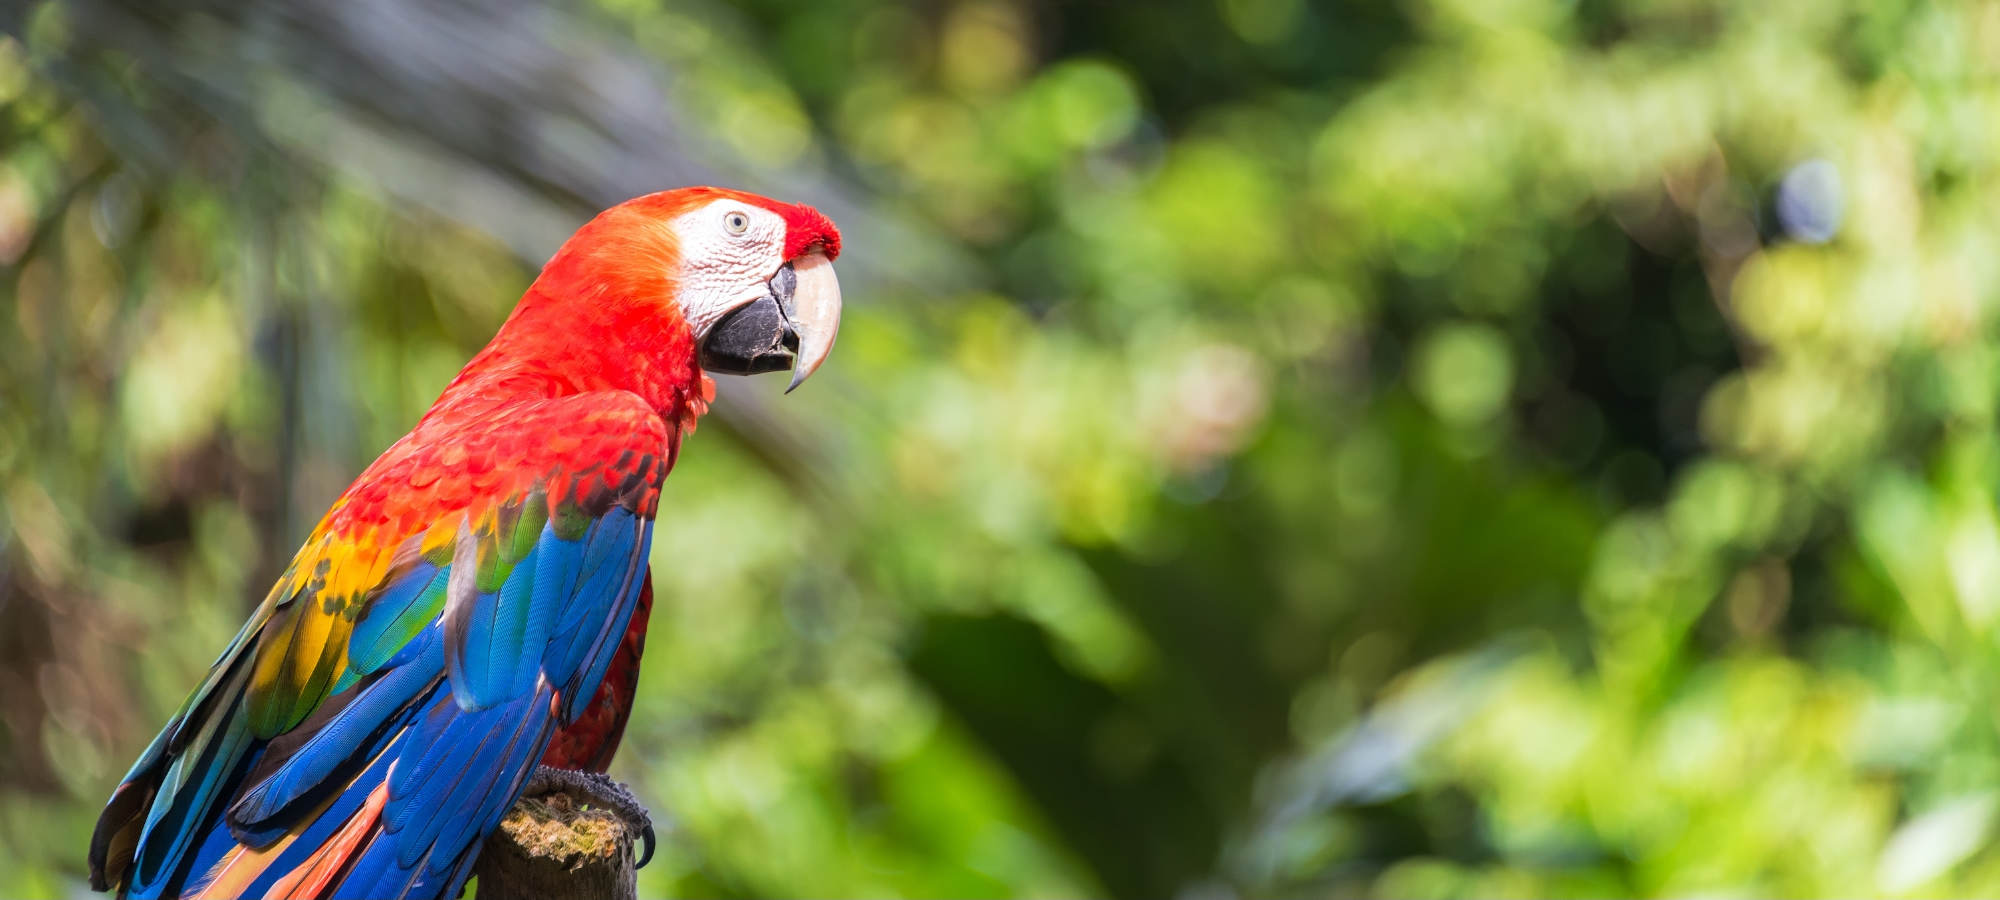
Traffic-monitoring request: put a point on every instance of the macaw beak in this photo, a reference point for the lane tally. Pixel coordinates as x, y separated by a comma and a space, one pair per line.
791, 327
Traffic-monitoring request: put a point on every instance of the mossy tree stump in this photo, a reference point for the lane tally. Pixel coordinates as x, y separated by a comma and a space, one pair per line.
566, 838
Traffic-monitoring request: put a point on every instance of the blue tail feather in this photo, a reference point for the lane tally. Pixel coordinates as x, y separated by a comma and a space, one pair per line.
484, 801
323, 828
446, 797
372, 866
475, 745
216, 843
188, 793
177, 817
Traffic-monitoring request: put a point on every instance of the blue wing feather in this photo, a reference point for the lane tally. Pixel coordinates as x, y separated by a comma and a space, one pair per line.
402, 608
582, 684
539, 611
469, 666
615, 531
503, 635
366, 718
600, 603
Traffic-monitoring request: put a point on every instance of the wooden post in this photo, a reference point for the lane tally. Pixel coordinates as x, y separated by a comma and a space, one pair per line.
565, 839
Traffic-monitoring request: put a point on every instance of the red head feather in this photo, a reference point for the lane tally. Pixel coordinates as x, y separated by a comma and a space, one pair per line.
806, 228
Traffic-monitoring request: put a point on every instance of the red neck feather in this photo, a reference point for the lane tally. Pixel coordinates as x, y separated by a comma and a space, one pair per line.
602, 316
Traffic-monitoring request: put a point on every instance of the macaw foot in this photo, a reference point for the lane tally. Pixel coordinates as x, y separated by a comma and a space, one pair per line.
595, 789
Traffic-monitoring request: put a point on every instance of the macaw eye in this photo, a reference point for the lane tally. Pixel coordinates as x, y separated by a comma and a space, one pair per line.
736, 222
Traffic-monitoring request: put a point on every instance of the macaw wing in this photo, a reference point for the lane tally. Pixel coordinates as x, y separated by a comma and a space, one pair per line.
382, 709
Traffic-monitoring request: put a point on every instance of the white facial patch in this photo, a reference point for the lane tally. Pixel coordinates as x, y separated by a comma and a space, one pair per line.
720, 268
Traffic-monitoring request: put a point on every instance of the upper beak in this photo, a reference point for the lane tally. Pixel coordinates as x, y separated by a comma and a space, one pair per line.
791, 327
814, 312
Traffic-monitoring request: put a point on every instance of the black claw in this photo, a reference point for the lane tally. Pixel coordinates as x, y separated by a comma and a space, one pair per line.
647, 856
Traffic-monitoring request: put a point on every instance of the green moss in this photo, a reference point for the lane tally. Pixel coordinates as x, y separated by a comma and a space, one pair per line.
553, 827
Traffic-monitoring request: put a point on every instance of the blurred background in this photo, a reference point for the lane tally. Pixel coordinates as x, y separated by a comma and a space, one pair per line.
1276, 448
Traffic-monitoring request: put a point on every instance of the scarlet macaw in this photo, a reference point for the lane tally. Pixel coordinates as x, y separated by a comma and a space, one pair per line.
476, 602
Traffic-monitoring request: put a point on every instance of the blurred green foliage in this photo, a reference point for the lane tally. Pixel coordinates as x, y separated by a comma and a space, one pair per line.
1438, 448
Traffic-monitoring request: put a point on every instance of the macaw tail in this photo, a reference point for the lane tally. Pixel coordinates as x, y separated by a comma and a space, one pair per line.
172, 792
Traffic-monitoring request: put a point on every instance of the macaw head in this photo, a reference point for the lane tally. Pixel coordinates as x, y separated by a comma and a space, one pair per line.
757, 284
751, 278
